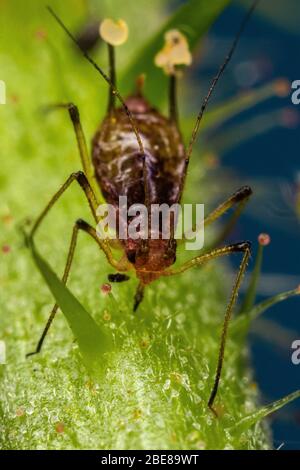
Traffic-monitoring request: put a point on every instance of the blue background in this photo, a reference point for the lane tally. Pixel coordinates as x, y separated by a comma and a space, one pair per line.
274, 154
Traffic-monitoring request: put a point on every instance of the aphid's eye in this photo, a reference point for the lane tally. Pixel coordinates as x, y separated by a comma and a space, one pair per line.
113, 32
175, 52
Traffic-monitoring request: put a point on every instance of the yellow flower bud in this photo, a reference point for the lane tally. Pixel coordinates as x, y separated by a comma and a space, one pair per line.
113, 32
174, 52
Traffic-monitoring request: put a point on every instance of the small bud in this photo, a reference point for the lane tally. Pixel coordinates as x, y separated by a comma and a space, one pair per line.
282, 87
140, 82
41, 34
7, 219
174, 52
105, 288
106, 315
212, 160
20, 412
6, 249
264, 239
59, 428
113, 32
290, 118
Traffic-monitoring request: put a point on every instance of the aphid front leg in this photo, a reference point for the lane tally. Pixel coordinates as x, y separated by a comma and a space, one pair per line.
243, 247
82, 180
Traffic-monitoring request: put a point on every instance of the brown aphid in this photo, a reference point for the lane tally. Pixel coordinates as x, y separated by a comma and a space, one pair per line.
140, 154
164, 159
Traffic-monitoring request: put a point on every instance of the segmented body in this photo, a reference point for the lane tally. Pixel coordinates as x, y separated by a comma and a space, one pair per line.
119, 168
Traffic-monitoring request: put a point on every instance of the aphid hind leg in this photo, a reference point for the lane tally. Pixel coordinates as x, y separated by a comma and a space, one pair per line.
245, 248
79, 225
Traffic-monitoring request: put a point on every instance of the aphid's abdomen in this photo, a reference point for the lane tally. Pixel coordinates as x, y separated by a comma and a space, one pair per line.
119, 164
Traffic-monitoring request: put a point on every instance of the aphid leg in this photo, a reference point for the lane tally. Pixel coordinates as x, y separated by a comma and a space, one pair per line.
79, 225
172, 236
84, 184
245, 248
229, 226
238, 200
173, 108
139, 295
81, 142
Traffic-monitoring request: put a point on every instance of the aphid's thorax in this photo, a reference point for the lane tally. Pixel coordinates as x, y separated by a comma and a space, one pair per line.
119, 169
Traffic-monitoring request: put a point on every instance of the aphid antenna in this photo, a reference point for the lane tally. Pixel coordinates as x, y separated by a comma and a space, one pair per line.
103, 74
215, 81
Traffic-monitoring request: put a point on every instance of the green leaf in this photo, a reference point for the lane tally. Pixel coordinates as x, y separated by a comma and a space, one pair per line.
245, 319
244, 101
237, 134
253, 418
92, 340
193, 19
219, 114
285, 15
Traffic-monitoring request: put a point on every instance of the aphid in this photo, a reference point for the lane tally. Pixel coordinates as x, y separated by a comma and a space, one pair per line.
140, 154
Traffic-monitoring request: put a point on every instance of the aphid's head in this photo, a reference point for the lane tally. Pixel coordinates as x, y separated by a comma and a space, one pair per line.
151, 259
